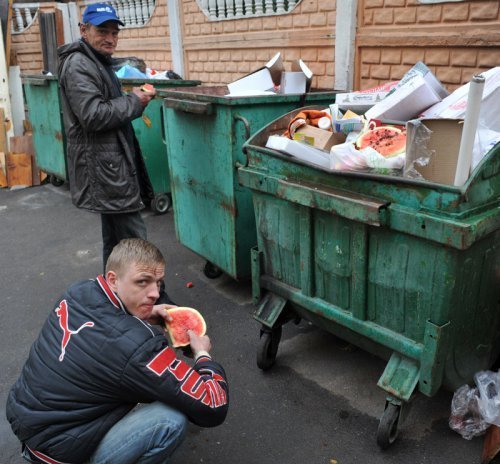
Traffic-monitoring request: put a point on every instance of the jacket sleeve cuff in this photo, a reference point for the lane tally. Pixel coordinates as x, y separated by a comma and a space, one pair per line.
202, 354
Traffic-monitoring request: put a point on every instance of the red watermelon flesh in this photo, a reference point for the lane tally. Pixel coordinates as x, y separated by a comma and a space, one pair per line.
184, 319
388, 141
147, 88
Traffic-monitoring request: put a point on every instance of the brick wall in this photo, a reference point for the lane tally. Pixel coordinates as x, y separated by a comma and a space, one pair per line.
26, 48
150, 42
219, 52
456, 40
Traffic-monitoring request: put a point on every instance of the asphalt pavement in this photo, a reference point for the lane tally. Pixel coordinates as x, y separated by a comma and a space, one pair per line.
318, 405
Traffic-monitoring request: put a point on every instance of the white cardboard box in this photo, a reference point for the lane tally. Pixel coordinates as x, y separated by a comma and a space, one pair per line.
406, 102
358, 102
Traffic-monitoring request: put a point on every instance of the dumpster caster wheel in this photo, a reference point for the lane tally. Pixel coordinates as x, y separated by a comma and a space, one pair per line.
161, 203
55, 181
268, 348
211, 270
388, 427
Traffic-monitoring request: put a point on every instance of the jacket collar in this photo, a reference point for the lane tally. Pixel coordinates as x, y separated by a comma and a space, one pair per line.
112, 296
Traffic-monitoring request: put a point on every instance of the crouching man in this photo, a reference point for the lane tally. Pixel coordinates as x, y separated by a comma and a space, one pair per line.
98, 355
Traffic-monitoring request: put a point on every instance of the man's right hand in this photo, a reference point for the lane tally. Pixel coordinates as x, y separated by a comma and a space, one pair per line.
199, 345
144, 97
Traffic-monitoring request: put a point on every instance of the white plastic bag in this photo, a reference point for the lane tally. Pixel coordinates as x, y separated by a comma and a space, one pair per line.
488, 384
346, 157
465, 417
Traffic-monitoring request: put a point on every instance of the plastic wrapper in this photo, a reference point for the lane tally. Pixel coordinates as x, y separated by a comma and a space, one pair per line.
465, 417
346, 157
420, 155
488, 385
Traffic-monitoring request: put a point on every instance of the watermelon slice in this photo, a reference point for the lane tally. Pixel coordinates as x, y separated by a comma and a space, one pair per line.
184, 319
387, 140
147, 88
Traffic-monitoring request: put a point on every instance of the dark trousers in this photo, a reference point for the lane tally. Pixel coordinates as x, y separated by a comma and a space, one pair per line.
116, 227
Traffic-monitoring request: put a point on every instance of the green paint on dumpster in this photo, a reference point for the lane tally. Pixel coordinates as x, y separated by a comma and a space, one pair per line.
205, 133
44, 111
401, 267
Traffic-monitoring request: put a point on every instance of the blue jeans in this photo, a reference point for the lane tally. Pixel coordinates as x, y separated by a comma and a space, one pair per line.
117, 226
148, 434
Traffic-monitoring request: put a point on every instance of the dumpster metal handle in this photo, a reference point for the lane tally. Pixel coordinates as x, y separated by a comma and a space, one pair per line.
347, 204
188, 106
238, 117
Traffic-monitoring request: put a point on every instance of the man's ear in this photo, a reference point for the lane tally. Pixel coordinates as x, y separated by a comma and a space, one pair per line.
112, 278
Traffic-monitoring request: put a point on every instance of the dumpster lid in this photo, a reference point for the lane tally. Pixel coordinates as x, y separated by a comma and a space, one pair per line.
217, 94
163, 82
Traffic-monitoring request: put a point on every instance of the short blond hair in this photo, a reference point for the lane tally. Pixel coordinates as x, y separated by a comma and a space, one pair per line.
133, 251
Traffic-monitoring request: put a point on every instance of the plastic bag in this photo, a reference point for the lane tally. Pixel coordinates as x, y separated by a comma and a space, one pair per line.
488, 384
346, 157
465, 417
128, 71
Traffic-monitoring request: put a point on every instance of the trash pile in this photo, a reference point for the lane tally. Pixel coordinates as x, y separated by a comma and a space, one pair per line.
135, 68
413, 128
475, 409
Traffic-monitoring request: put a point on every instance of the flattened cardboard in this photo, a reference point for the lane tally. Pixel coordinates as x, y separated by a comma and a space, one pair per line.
445, 144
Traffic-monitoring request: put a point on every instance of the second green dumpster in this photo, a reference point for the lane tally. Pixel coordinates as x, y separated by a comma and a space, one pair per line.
205, 132
404, 268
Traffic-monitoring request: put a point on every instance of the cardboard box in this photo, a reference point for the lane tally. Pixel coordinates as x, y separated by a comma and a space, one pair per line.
455, 105
359, 102
317, 138
293, 82
272, 75
444, 144
406, 102
263, 79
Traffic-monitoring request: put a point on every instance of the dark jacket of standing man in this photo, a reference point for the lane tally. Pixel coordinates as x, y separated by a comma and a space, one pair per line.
106, 171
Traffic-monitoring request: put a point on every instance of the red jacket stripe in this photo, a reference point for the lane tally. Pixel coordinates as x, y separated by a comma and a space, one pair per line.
161, 362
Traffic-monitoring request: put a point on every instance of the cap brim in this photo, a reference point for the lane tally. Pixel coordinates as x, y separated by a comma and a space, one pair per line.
103, 19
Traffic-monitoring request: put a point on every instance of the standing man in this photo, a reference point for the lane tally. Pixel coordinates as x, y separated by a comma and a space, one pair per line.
106, 171
99, 354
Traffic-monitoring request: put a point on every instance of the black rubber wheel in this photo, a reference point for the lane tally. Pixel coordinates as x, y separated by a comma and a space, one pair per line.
268, 348
211, 270
161, 203
388, 427
55, 181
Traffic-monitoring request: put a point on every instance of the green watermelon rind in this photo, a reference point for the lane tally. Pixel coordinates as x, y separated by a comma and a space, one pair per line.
177, 329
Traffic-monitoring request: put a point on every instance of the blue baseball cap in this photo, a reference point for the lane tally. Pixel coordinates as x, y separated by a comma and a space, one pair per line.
99, 13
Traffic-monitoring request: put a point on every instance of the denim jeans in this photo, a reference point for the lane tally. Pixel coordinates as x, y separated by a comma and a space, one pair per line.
148, 434
117, 226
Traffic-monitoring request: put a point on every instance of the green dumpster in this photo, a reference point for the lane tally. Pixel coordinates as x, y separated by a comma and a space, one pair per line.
44, 110
205, 132
406, 269
42, 98
151, 136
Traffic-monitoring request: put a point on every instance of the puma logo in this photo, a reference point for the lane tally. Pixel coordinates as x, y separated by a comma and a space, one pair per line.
63, 315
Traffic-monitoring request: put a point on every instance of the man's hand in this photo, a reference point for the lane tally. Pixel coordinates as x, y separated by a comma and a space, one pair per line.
199, 345
144, 97
159, 314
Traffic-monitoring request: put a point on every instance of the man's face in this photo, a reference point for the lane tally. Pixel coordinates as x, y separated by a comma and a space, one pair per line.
138, 287
103, 38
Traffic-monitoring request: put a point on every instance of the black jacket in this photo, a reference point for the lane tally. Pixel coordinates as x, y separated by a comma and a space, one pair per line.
73, 390
106, 171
